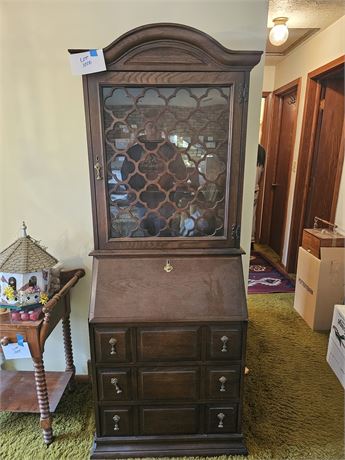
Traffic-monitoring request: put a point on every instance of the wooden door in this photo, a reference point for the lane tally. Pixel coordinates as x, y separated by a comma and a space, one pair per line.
321, 154
322, 196
280, 146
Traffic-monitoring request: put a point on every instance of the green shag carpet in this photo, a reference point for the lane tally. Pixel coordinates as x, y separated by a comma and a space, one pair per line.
293, 402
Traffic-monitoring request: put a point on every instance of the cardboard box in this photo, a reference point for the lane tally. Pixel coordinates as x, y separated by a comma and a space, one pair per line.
336, 344
320, 284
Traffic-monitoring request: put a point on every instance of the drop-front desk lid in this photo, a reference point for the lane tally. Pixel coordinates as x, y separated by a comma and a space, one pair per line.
144, 290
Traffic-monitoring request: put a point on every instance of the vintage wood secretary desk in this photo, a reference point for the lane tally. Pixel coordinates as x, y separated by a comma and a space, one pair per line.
166, 125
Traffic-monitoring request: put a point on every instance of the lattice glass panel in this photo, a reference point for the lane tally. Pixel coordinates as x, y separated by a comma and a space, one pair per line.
166, 153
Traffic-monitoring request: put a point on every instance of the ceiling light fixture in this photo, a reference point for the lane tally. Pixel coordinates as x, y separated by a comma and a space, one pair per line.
279, 32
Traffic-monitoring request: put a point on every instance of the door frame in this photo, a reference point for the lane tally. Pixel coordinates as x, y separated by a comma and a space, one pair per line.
275, 112
264, 141
305, 158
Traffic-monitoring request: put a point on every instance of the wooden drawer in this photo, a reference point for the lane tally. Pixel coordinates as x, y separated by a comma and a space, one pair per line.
11, 333
223, 383
225, 342
169, 420
112, 345
311, 244
168, 343
114, 385
116, 421
168, 383
221, 419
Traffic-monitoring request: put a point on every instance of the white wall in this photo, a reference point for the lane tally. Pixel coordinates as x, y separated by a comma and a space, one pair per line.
320, 49
44, 168
269, 77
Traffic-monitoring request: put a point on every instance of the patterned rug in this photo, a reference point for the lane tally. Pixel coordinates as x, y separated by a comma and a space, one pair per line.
267, 278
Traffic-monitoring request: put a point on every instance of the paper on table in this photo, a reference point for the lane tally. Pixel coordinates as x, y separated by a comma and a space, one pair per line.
16, 351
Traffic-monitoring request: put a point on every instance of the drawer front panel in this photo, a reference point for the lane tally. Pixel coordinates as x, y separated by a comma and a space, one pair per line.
112, 345
225, 343
311, 244
114, 385
168, 344
117, 421
168, 383
169, 420
221, 419
223, 383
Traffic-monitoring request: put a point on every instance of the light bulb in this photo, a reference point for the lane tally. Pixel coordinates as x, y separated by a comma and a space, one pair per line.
279, 32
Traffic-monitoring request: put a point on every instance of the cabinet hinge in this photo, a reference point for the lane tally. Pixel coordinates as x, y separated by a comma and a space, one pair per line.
243, 93
235, 231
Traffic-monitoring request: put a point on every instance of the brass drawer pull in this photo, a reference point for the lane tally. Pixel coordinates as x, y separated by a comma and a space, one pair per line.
116, 419
222, 381
112, 343
114, 381
224, 340
221, 417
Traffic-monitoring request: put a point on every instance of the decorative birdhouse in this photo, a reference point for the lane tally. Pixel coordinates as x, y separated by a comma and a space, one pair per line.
26, 274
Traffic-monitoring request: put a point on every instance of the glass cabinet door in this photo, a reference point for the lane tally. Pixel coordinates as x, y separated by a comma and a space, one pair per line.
166, 161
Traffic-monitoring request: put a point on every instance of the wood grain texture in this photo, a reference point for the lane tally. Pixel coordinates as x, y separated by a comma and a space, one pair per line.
207, 293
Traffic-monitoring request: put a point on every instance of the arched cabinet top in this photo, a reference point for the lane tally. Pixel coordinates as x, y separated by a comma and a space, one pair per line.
167, 46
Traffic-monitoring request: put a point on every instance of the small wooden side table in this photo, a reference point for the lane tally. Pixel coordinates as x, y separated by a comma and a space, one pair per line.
40, 391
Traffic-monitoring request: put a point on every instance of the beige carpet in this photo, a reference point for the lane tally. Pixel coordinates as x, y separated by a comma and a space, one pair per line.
293, 402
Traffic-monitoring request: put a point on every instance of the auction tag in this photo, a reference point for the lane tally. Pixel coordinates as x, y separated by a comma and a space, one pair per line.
16, 351
87, 62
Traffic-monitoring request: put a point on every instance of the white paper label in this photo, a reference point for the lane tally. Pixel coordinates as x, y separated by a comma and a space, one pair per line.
87, 62
16, 351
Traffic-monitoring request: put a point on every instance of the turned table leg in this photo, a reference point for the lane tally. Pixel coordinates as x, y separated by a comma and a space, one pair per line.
67, 340
43, 401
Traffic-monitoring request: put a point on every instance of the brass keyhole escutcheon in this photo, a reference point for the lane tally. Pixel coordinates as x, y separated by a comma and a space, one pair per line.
98, 168
168, 267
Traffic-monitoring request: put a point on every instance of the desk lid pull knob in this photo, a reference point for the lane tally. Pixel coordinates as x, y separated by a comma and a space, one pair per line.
168, 267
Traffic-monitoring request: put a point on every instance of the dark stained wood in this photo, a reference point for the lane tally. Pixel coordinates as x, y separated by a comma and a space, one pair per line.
168, 420
223, 383
18, 391
173, 46
168, 343
305, 157
229, 421
114, 385
239, 84
168, 383
123, 424
156, 334
113, 345
225, 342
279, 161
327, 154
207, 293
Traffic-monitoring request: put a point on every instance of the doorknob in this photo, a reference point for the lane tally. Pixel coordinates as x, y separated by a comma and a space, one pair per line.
275, 185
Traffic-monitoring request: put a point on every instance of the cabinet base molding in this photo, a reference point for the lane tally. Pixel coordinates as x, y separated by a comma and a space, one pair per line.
197, 446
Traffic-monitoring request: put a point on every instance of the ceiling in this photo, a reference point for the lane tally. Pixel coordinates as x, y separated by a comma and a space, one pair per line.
306, 17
